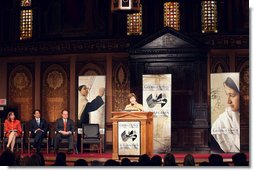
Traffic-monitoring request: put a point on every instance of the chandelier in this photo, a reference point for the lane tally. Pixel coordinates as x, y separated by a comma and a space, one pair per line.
125, 6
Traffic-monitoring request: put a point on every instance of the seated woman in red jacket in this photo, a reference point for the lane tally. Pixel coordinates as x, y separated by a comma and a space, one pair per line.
13, 129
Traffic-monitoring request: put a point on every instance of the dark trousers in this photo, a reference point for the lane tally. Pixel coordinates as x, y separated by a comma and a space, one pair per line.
58, 139
38, 138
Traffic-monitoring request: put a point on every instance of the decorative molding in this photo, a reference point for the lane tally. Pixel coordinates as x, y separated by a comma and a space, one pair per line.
226, 41
62, 47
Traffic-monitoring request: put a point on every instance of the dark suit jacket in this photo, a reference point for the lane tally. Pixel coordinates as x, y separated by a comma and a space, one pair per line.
90, 106
33, 125
69, 125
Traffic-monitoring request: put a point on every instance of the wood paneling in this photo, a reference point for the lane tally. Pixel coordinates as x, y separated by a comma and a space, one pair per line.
20, 92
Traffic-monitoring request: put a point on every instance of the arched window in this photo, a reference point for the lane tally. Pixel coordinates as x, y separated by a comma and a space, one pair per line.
172, 15
26, 20
209, 16
134, 23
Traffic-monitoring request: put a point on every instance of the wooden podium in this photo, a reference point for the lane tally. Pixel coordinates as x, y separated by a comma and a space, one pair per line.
122, 134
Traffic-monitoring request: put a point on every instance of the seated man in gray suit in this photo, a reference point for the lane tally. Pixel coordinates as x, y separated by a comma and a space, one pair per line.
64, 129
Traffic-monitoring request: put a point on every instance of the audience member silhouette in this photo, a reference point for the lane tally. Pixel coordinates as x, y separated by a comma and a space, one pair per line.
96, 163
60, 159
7, 158
189, 160
80, 162
215, 160
125, 162
144, 160
240, 159
156, 161
111, 162
204, 163
169, 160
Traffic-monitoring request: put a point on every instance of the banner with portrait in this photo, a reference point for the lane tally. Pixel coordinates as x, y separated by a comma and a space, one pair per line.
91, 105
225, 113
129, 138
157, 99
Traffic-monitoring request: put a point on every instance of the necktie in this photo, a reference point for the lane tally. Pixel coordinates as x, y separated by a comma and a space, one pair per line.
65, 124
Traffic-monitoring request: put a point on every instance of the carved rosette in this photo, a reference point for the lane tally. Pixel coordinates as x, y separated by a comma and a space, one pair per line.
21, 92
55, 92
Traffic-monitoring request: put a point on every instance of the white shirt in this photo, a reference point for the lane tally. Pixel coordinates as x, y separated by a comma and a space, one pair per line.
226, 130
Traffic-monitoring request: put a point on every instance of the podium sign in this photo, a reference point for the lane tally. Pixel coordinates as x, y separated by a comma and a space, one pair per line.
128, 138
132, 134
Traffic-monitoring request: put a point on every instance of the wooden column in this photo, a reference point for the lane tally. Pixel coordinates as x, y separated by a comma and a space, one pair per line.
73, 88
4, 80
37, 84
109, 87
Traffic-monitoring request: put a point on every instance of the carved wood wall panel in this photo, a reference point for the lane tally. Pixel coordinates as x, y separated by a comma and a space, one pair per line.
21, 91
219, 64
121, 86
91, 69
55, 92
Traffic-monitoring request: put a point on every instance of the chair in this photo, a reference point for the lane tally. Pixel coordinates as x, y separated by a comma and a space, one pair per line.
91, 135
65, 141
44, 141
19, 140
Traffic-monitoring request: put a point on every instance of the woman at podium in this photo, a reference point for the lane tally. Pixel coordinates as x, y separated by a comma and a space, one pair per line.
134, 105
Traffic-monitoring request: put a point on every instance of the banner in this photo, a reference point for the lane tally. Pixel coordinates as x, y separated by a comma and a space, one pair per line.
91, 105
225, 114
157, 99
129, 138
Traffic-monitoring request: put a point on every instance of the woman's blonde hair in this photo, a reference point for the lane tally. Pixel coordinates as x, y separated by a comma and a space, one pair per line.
132, 95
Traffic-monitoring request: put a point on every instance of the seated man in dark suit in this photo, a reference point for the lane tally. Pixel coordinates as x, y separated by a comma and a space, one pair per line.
64, 129
38, 128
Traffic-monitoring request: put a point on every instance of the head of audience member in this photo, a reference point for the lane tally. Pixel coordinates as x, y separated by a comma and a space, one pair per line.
169, 160
80, 162
189, 160
83, 89
96, 163
34, 160
144, 160
204, 163
7, 158
65, 114
125, 162
240, 159
215, 160
37, 113
11, 116
111, 162
156, 160
60, 159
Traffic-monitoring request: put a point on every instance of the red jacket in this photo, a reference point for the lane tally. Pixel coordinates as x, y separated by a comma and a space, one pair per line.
12, 125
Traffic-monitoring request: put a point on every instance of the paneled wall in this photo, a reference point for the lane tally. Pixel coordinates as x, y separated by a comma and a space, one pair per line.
50, 83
